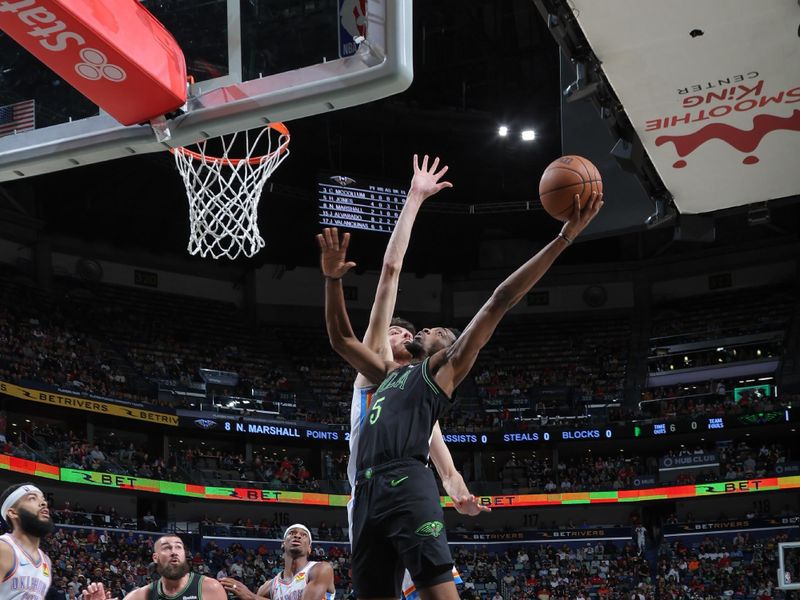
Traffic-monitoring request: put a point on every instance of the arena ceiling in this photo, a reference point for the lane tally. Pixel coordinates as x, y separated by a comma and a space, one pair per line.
477, 65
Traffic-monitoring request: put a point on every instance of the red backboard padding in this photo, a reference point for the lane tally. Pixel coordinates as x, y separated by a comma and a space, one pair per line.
112, 51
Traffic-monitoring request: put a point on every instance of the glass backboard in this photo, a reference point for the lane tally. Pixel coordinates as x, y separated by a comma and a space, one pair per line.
251, 62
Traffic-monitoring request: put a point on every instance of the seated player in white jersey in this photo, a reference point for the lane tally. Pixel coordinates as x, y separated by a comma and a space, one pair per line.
301, 579
25, 571
177, 581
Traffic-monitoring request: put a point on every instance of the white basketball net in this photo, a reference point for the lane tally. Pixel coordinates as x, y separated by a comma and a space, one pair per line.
224, 192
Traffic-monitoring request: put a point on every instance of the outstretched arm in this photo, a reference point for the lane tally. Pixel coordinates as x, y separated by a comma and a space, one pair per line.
452, 480
424, 184
452, 364
340, 332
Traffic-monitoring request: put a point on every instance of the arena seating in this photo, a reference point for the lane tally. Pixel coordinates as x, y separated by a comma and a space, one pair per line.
738, 566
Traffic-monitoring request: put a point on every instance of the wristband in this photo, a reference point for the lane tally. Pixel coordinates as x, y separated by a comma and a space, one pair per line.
332, 278
565, 238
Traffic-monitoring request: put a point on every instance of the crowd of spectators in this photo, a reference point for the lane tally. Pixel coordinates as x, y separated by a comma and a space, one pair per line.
718, 566
740, 461
112, 454
125, 342
44, 345
721, 315
535, 473
121, 560
712, 568
713, 357
273, 471
742, 568
708, 398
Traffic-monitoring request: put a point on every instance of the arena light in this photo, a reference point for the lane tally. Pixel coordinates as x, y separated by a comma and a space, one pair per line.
502, 131
528, 135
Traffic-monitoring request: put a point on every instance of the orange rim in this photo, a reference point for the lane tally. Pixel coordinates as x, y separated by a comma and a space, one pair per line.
253, 160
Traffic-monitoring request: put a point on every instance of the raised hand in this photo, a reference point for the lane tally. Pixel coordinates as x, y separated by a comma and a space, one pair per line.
95, 591
425, 181
582, 217
333, 255
469, 505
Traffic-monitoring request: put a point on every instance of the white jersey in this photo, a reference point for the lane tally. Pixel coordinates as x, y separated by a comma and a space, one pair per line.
29, 577
410, 591
293, 588
359, 407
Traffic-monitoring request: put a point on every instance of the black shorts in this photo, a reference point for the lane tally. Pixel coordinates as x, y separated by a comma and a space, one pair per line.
398, 524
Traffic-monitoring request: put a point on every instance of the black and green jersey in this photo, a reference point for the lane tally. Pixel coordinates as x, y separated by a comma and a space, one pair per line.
400, 417
192, 591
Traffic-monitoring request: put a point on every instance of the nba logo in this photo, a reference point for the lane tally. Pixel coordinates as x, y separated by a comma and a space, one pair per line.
352, 24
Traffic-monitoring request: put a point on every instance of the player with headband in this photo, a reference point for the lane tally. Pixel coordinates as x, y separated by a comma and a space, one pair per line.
25, 571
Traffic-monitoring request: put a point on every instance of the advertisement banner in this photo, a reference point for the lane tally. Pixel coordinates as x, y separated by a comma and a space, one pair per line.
141, 484
688, 461
644, 481
172, 488
544, 534
729, 524
725, 101
103, 407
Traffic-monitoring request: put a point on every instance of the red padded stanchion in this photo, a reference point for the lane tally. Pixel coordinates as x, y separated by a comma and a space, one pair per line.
114, 52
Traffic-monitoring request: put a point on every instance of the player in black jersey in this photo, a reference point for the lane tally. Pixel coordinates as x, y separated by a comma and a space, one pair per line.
398, 521
177, 581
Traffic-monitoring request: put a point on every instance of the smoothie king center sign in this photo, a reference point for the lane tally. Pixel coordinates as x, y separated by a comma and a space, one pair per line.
734, 125
713, 91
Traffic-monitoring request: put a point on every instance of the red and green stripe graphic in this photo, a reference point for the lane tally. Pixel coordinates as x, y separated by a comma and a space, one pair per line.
156, 486
28, 467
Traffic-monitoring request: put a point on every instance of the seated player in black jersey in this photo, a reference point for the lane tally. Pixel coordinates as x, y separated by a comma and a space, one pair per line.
397, 518
177, 580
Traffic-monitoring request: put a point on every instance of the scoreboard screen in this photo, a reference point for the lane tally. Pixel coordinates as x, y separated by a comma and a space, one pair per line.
358, 204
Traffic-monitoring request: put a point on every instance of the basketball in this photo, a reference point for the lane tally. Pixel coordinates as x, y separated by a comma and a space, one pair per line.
562, 179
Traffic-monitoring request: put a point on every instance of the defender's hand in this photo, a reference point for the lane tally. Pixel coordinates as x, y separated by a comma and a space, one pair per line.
333, 254
425, 181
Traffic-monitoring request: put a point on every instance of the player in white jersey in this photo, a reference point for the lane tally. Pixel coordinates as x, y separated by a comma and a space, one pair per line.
25, 570
301, 579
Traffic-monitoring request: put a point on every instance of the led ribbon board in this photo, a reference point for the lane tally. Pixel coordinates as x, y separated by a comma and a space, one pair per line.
156, 486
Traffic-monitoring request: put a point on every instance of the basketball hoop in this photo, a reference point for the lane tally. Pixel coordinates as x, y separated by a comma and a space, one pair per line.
223, 192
